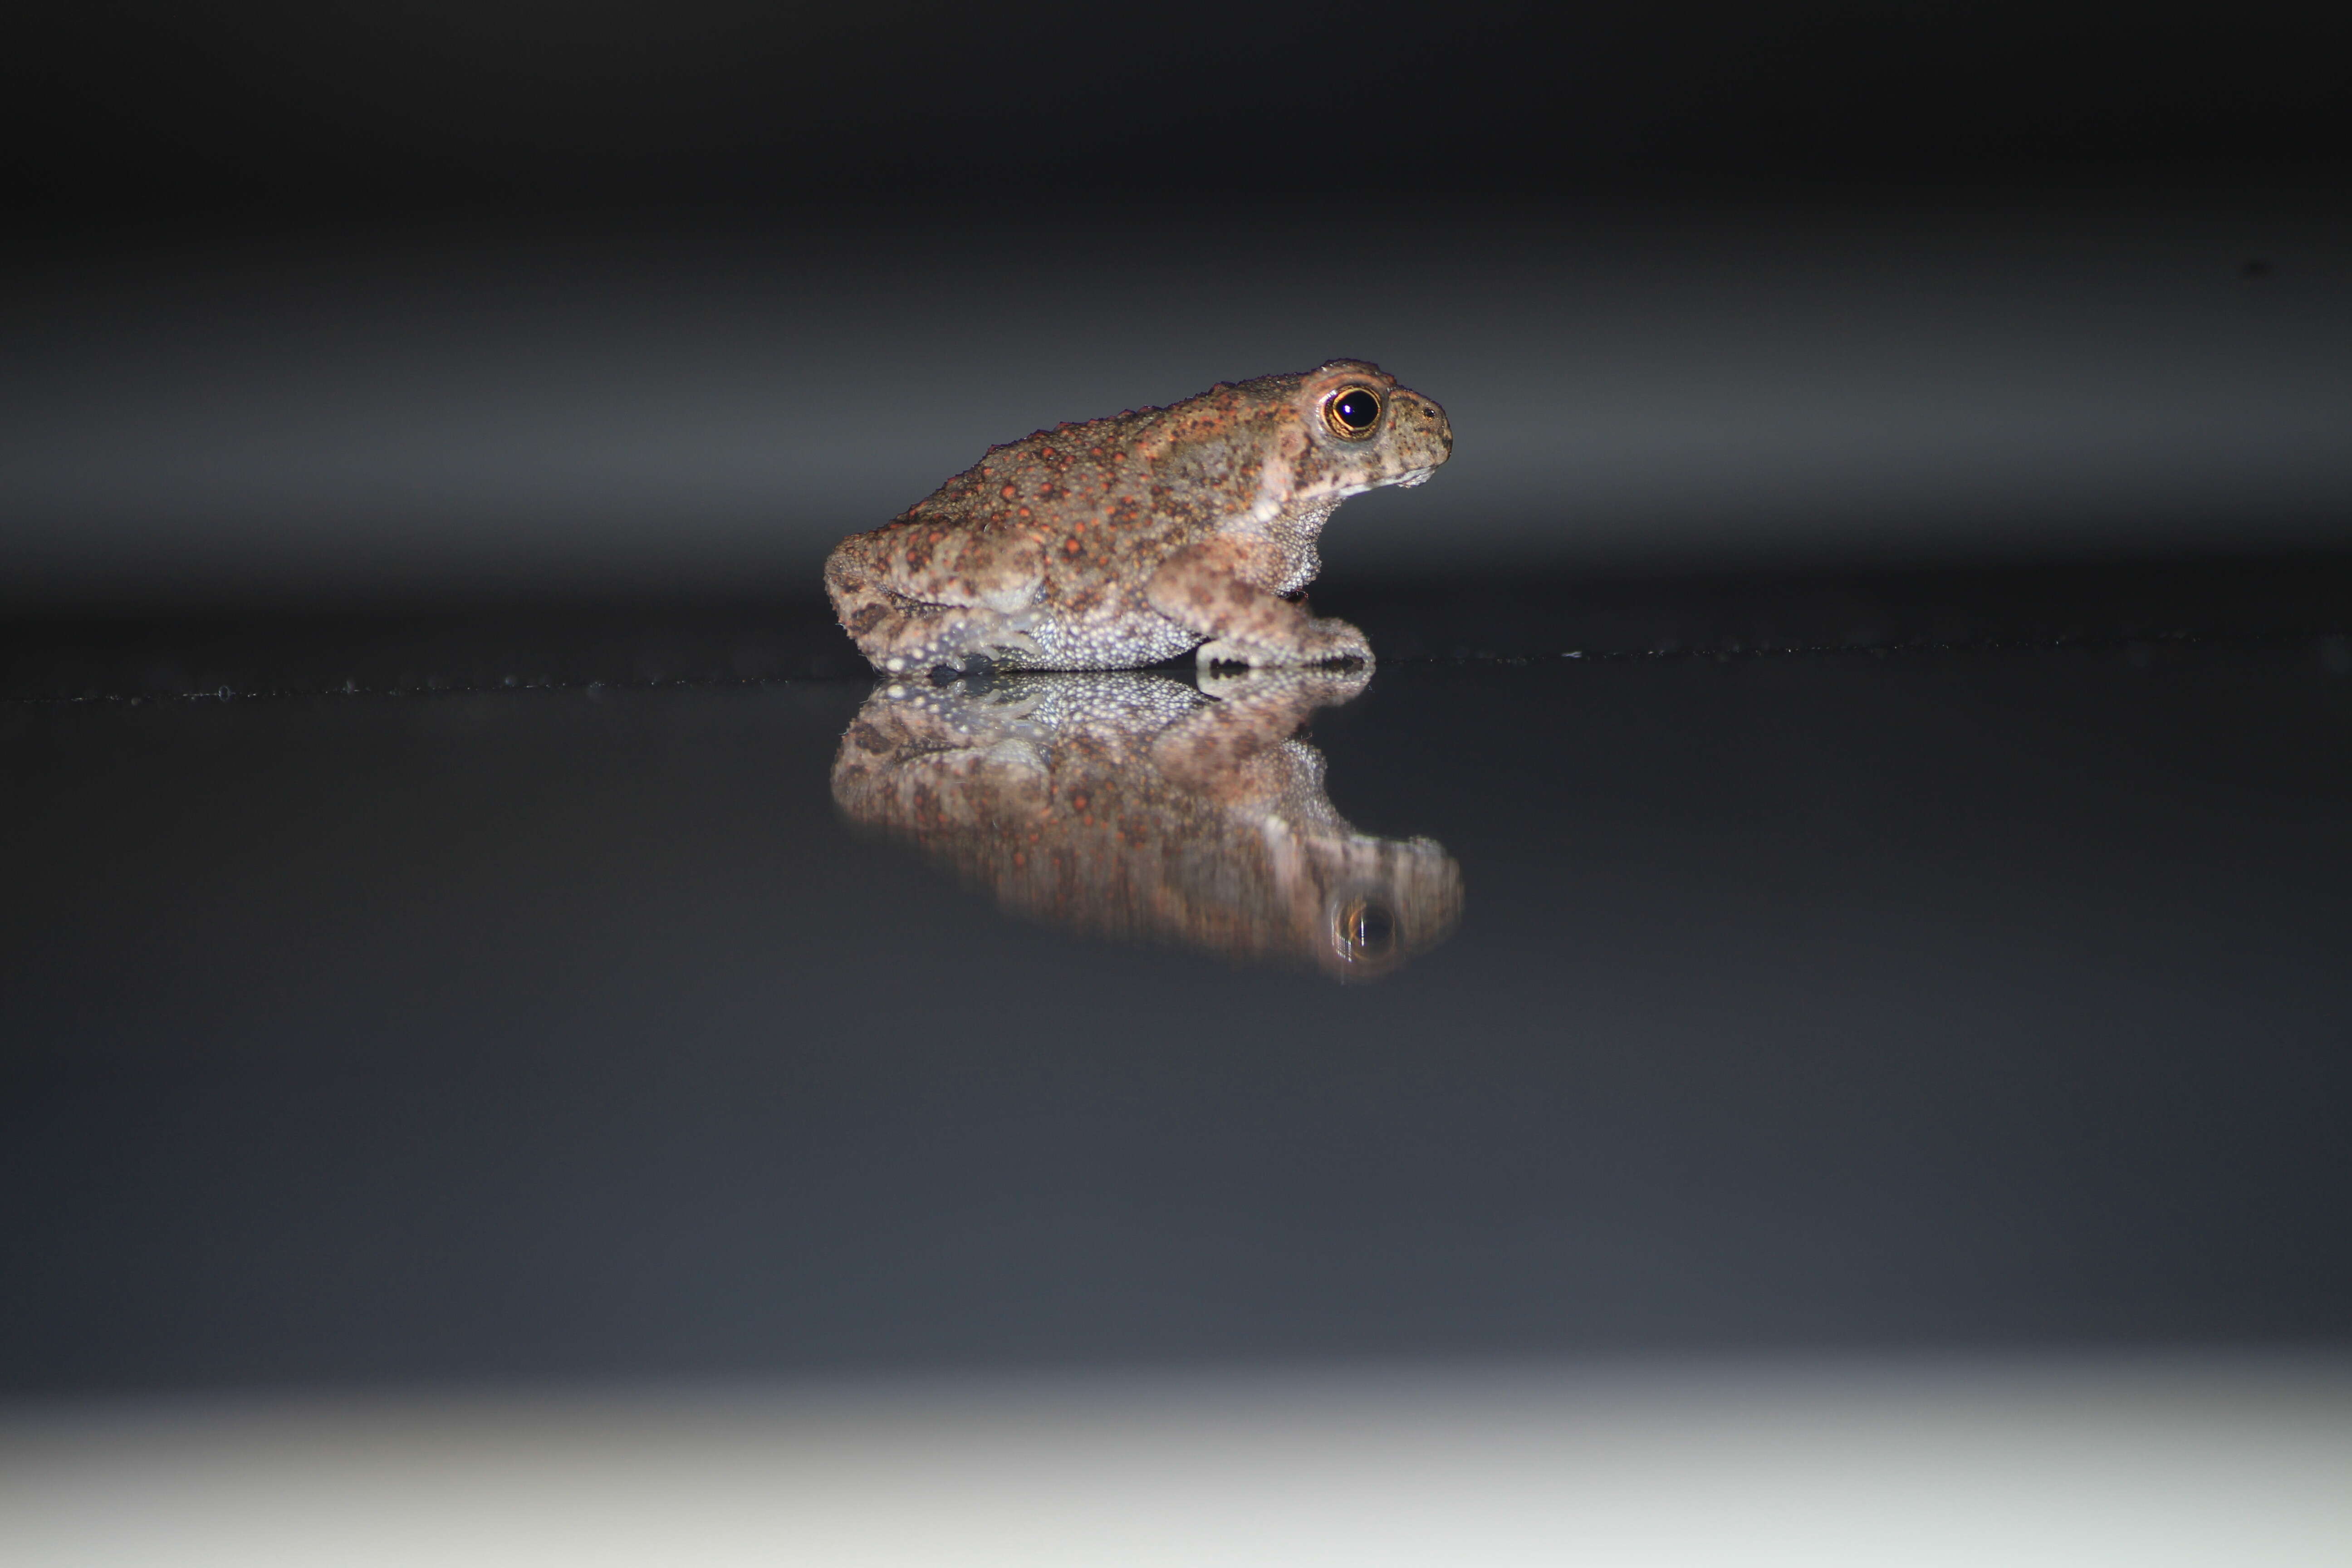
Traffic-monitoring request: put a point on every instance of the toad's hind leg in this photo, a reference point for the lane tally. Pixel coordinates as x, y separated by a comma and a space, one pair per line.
914, 597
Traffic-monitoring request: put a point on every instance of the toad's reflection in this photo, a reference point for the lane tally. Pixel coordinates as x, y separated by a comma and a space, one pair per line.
1136, 808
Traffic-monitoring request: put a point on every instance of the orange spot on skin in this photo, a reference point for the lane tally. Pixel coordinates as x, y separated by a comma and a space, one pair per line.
1008, 492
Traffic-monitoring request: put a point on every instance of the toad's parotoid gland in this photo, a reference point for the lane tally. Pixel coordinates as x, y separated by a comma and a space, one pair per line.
1123, 541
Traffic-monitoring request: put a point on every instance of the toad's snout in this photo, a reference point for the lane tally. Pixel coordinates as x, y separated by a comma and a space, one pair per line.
1427, 436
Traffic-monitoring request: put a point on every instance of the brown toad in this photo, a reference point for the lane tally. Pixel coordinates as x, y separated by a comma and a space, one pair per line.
1139, 808
1123, 541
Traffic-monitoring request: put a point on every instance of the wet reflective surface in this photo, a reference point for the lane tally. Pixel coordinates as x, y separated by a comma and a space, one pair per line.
1922, 999
1137, 806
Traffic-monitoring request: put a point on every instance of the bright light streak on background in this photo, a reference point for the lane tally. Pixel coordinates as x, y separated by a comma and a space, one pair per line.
1922, 1463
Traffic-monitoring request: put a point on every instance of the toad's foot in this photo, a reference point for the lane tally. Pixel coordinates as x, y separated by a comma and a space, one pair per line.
1317, 642
1309, 686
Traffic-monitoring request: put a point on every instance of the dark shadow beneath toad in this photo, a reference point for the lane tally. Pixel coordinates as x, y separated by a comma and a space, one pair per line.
1139, 807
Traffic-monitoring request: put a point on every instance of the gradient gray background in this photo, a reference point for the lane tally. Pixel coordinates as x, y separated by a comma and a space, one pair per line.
697, 403
513, 298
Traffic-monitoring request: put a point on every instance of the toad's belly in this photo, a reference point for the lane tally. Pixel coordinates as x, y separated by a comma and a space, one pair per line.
1128, 640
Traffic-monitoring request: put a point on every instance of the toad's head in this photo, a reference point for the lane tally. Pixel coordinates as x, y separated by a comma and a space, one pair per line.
1360, 430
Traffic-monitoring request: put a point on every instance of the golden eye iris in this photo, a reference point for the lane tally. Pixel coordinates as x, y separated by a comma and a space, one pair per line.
1366, 930
1352, 411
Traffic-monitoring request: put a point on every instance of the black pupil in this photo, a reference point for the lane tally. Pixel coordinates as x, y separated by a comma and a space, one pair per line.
1374, 929
1357, 409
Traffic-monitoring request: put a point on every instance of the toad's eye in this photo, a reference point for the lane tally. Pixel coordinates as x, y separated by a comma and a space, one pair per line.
1351, 412
1365, 930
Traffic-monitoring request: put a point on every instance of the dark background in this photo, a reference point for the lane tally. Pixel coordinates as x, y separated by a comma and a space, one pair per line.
338, 302
1917, 921
129, 110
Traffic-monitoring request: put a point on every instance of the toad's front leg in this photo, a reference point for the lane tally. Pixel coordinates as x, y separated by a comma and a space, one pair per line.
1204, 589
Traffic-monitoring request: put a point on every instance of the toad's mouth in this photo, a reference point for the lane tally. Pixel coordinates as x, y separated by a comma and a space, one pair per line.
1405, 480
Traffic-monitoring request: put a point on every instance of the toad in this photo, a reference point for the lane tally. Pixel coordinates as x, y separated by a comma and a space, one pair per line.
1123, 541
1136, 808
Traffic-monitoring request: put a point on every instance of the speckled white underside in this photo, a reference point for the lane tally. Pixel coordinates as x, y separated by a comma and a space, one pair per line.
1128, 641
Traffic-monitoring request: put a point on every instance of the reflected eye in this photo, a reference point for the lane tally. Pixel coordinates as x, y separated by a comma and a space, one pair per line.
1366, 930
1351, 412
